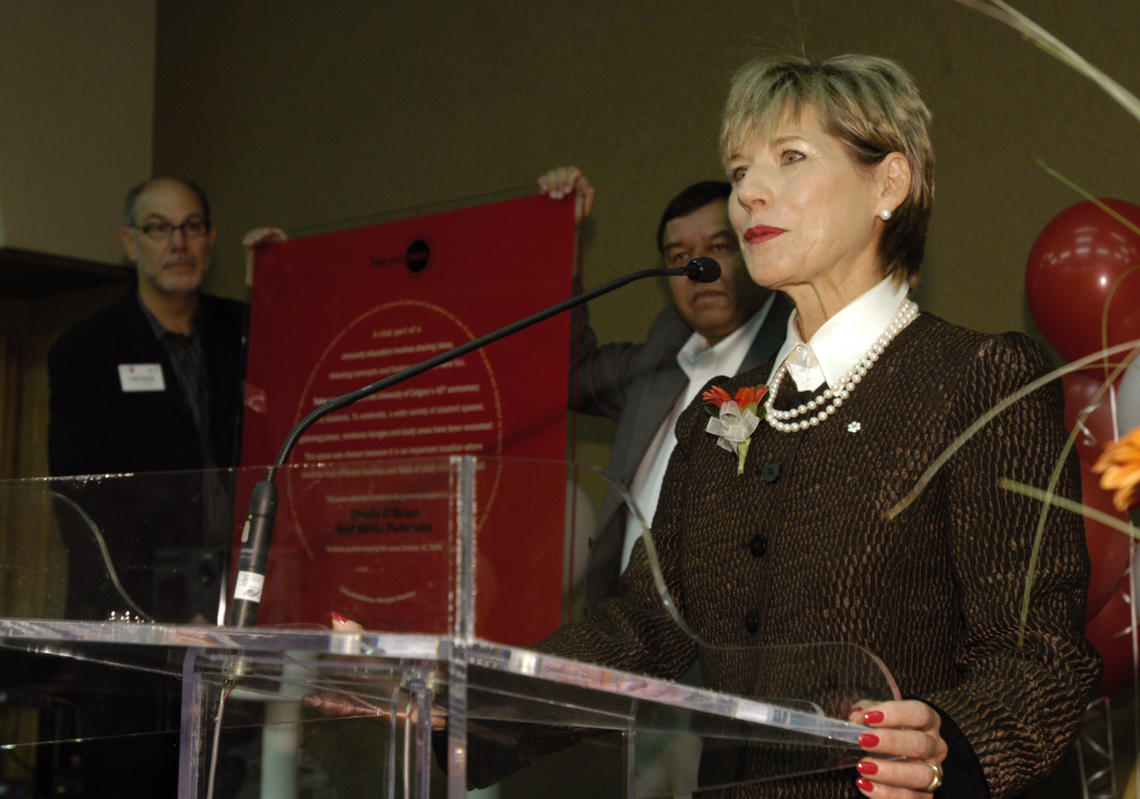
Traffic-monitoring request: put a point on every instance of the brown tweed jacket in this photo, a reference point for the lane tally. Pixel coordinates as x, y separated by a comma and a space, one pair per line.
797, 549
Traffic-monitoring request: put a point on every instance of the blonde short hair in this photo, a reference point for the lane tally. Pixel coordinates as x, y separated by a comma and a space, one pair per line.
871, 104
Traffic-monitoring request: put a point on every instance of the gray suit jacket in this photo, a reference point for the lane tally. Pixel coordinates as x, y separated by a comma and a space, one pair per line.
637, 384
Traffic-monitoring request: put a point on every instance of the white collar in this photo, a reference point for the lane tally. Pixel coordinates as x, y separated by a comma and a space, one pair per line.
843, 339
728, 353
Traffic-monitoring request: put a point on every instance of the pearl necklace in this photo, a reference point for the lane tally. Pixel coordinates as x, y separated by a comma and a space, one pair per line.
788, 421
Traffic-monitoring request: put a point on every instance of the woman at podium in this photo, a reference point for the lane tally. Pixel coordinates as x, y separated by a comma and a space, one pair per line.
780, 520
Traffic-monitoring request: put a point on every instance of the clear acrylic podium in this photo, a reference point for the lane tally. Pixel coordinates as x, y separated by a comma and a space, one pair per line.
455, 569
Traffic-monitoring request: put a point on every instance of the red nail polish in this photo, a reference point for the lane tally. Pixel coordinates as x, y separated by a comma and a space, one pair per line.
866, 767
868, 740
337, 618
873, 716
864, 785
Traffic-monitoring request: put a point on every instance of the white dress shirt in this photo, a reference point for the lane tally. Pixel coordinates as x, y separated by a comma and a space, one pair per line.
843, 340
701, 363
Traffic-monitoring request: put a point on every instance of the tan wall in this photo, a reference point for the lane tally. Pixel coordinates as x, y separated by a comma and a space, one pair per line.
76, 105
298, 114
76, 114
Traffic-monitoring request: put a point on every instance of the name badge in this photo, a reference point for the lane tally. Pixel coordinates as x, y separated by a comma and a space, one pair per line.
141, 377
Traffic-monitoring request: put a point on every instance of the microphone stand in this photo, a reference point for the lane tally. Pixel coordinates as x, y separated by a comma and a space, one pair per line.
258, 530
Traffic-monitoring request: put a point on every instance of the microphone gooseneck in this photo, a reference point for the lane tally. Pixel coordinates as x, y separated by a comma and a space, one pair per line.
258, 531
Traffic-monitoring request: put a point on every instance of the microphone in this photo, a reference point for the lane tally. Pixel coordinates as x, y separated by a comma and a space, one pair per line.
702, 270
257, 533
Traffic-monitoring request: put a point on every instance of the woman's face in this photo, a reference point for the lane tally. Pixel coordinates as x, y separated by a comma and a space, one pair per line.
805, 210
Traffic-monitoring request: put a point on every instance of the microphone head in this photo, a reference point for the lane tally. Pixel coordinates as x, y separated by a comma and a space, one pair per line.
703, 269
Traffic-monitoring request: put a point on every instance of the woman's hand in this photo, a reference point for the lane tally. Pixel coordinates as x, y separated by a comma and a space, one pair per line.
560, 181
908, 729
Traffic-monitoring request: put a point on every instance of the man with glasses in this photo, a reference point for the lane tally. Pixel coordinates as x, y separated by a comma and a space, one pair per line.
153, 383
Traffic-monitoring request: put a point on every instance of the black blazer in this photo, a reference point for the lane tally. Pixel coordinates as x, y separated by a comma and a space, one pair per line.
97, 428
166, 532
638, 384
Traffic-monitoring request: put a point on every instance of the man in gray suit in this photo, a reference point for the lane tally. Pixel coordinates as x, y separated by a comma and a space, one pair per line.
721, 328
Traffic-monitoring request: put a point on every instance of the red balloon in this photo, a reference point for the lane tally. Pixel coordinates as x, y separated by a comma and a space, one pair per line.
1098, 429
1109, 549
1072, 268
1111, 631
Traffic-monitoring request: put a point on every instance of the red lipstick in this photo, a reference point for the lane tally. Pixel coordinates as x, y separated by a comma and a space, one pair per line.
761, 233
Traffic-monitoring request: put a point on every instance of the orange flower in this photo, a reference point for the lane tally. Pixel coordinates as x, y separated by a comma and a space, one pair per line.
716, 396
1119, 468
750, 394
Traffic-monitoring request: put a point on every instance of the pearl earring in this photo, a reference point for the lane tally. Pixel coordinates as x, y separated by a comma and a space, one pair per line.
885, 214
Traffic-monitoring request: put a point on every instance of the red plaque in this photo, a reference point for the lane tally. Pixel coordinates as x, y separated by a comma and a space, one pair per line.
366, 521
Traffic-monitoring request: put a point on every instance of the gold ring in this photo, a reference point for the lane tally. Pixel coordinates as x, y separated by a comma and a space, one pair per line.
936, 780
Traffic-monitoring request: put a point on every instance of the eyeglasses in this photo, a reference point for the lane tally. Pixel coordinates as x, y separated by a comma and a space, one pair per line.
190, 229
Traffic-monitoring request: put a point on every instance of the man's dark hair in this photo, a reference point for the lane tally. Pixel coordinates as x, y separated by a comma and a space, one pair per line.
134, 192
691, 199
